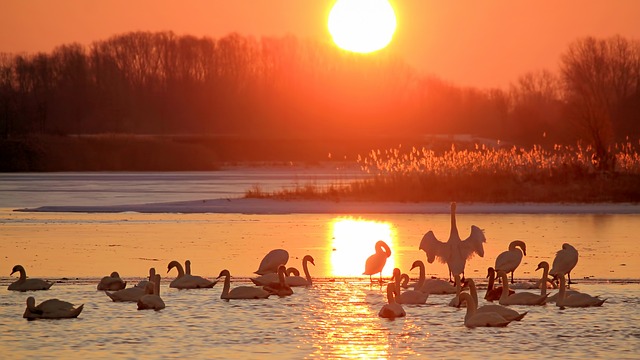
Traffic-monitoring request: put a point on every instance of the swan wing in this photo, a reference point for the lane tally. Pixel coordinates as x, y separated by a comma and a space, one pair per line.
473, 244
272, 260
434, 248
508, 260
565, 260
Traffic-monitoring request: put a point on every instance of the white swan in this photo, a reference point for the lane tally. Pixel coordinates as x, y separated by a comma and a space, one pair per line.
112, 282
280, 288
575, 300
519, 298
24, 284
408, 296
455, 252
473, 318
272, 260
133, 294
431, 286
392, 309
404, 281
51, 309
565, 260
297, 280
188, 281
508, 261
493, 293
152, 300
505, 312
143, 283
375, 263
240, 292
269, 278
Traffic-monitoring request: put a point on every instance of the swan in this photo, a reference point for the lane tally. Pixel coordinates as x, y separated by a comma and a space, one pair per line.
272, 260
431, 286
297, 280
132, 294
51, 309
520, 298
187, 281
24, 284
143, 283
392, 309
279, 288
112, 282
375, 263
473, 318
152, 299
455, 252
240, 292
509, 260
408, 296
565, 260
404, 281
493, 293
505, 312
269, 278
575, 300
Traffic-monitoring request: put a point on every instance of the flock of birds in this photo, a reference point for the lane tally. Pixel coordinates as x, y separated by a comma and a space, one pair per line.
275, 279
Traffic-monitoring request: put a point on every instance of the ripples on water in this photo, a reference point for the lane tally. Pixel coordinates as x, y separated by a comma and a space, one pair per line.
332, 319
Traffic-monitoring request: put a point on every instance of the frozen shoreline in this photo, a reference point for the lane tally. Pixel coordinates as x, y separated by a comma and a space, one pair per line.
271, 206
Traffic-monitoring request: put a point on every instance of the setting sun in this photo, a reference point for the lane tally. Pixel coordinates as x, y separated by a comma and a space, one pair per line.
362, 26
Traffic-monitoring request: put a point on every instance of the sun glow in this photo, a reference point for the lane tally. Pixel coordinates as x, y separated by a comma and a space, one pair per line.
354, 241
362, 26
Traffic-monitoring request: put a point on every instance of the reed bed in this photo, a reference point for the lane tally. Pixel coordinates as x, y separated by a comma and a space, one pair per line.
484, 174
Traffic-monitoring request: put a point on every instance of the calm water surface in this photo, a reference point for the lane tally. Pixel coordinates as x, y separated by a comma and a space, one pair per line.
335, 318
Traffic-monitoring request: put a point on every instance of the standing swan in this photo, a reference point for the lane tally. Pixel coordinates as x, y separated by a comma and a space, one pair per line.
409, 296
51, 309
392, 309
508, 261
520, 298
24, 284
375, 263
240, 292
473, 318
188, 281
272, 260
565, 260
296, 280
455, 252
152, 299
492, 293
112, 282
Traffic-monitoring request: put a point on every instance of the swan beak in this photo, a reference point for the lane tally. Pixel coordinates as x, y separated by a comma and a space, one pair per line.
524, 252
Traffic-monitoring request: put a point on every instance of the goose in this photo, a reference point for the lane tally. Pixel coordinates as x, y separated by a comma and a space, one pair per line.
455, 252
565, 260
521, 298
473, 318
188, 281
508, 261
575, 300
505, 312
112, 282
431, 286
152, 300
297, 280
408, 296
492, 293
24, 284
279, 288
132, 294
240, 292
392, 309
375, 263
51, 309
272, 260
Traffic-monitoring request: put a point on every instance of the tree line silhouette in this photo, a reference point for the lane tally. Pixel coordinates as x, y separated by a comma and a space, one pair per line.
161, 83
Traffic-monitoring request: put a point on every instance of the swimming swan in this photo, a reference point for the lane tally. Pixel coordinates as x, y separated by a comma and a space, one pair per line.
240, 292
188, 281
375, 263
408, 296
297, 280
431, 286
508, 261
132, 294
152, 299
269, 278
272, 260
279, 288
473, 318
505, 312
519, 298
392, 309
143, 283
50, 309
493, 293
24, 284
112, 282
565, 260
575, 300
455, 252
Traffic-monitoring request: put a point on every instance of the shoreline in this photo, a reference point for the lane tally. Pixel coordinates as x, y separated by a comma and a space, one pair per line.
277, 207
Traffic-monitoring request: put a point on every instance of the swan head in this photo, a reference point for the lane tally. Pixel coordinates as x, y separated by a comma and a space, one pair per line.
31, 302
453, 207
115, 274
416, 264
310, 259
173, 264
397, 274
520, 244
224, 272
491, 271
543, 265
17, 268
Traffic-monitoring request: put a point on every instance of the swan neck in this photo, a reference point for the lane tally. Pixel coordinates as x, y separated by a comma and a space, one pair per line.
187, 267
227, 285
454, 227
473, 291
382, 247
561, 292
471, 306
423, 276
543, 281
23, 275
305, 268
492, 280
390, 295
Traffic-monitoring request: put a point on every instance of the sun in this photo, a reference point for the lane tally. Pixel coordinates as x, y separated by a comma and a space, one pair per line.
362, 26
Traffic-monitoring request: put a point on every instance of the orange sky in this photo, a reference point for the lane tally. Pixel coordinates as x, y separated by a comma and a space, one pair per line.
477, 43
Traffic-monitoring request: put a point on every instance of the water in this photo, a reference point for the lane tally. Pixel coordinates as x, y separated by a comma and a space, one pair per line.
335, 318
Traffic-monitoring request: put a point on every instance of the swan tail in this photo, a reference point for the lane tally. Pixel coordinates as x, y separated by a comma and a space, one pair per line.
77, 311
521, 316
